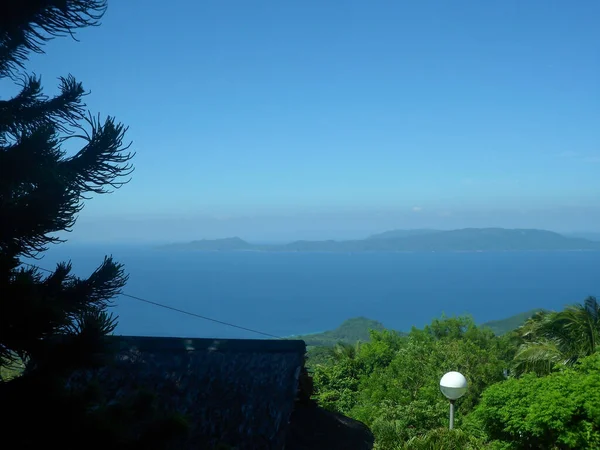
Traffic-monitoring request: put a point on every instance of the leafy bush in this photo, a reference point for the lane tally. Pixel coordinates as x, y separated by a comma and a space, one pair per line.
561, 410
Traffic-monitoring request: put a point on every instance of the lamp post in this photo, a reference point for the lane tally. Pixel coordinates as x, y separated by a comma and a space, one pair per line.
453, 385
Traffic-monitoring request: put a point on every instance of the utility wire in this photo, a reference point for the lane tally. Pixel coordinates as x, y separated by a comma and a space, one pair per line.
199, 316
161, 305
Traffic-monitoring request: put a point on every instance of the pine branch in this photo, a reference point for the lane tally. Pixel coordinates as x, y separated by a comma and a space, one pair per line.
40, 204
102, 160
26, 25
99, 288
31, 109
64, 305
41, 191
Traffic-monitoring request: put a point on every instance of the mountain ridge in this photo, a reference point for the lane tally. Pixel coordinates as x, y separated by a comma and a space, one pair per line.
460, 240
393, 234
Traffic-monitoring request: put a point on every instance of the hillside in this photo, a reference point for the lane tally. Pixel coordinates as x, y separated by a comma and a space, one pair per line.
503, 326
349, 332
468, 239
357, 329
591, 236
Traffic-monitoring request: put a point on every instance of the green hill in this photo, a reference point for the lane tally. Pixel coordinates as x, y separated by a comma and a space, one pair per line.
503, 326
357, 329
349, 332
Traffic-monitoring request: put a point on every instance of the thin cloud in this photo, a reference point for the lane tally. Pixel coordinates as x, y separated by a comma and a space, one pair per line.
592, 159
567, 154
417, 208
577, 156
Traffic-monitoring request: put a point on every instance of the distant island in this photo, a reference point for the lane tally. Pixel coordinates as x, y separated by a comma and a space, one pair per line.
463, 240
591, 236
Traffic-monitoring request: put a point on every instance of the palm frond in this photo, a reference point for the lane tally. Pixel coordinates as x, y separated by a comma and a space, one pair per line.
539, 357
558, 338
343, 351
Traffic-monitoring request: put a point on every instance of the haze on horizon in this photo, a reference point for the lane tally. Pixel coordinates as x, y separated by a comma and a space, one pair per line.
335, 120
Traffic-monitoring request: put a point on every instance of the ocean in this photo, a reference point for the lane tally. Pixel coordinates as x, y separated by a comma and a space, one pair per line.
285, 294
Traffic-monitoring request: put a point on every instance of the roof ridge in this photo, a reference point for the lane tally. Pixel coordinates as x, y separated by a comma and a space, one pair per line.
157, 343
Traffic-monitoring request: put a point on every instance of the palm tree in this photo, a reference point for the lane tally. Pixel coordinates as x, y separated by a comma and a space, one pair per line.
343, 351
582, 322
551, 339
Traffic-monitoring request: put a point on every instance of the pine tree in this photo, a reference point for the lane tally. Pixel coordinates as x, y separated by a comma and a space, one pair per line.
53, 323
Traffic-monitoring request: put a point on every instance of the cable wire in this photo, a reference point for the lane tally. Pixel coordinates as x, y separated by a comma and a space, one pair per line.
181, 311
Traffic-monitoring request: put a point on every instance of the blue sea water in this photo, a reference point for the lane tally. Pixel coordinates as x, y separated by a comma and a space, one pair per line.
296, 293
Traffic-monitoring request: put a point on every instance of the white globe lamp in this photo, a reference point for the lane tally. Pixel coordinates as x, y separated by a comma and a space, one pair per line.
453, 385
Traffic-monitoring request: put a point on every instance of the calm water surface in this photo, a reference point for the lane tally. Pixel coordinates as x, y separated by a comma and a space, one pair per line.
294, 293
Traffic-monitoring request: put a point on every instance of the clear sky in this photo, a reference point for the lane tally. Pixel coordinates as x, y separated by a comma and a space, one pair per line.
336, 118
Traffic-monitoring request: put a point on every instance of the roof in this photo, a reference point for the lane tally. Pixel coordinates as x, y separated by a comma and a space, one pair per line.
234, 392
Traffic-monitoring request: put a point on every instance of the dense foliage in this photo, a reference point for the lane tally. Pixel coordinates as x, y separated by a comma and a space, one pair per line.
391, 383
552, 339
358, 329
560, 410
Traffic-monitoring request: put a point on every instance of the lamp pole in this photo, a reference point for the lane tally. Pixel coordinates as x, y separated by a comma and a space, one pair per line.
453, 385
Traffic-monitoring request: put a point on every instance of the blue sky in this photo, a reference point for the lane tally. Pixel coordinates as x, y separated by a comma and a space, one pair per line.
339, 118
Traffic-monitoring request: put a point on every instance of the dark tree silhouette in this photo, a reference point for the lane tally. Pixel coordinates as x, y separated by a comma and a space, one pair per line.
42, 189
54, 324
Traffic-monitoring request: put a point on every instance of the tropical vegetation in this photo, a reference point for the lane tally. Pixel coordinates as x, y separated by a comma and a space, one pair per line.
535, 387
359, 329
559, 338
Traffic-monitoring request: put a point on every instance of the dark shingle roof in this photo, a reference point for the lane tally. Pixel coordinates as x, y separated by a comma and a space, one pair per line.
234, 392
